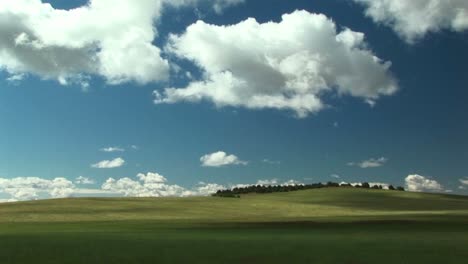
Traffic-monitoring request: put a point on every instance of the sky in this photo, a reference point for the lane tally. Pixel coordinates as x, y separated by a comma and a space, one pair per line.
180, 98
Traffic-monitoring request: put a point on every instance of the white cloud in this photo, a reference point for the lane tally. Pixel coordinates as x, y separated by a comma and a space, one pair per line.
28, 188
464, 183
67, 45
207, 189
220, 159
413, 19
270, 182
155, 185
272, 162
109, 164
113, 149
418, 183
370, 163
383, 184
112, 39
149, 184
84, 180
336, 176
220, 5
288, 65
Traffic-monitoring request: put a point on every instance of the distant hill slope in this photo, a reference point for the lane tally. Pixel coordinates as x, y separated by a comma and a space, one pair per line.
321, 205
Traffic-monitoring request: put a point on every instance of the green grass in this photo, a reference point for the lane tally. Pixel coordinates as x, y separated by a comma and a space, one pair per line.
315, 226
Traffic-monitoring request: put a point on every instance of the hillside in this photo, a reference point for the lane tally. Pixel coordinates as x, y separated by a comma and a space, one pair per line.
315, 226
310, 205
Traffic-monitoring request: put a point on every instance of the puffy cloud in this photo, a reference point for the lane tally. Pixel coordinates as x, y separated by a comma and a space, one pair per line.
109, 164
371, 184
413, 19
150, 184
336, 176
84, 180
271, 182
69, 44
155, 185
220, 159
206, 189
418, 183
27, 188
112, 149
370, 163
383, 184
464, 183
288, 65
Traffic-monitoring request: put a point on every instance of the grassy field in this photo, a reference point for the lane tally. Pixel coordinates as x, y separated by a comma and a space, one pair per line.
315, 226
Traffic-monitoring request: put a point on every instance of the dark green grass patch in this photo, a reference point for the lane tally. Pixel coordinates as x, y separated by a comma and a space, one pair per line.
144, 242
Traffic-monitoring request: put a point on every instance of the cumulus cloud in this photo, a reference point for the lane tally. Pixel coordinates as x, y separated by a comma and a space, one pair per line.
84, 180
28, 188
156, 185
112, 149
336, 176
370, 163
464, 183
149, 184
418, 183
413, 19
69, 44
220, 159
371, 184
109, 164
288, 65
269, 182
206, 189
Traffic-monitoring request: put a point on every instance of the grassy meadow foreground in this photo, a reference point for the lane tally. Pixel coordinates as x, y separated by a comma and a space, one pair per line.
333, 225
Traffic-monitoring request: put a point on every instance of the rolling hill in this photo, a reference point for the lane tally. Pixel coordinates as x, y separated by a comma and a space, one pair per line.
332, 225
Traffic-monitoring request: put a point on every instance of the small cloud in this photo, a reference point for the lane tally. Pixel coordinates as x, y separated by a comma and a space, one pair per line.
418, 183
112, 149
464, 181
336, 176
220, 159
109, 164
134, 147
336, 124
267, 182
84, 180
16, 77
273, 162
370, 163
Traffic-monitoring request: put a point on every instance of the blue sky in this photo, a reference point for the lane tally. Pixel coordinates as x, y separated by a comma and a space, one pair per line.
53, 130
